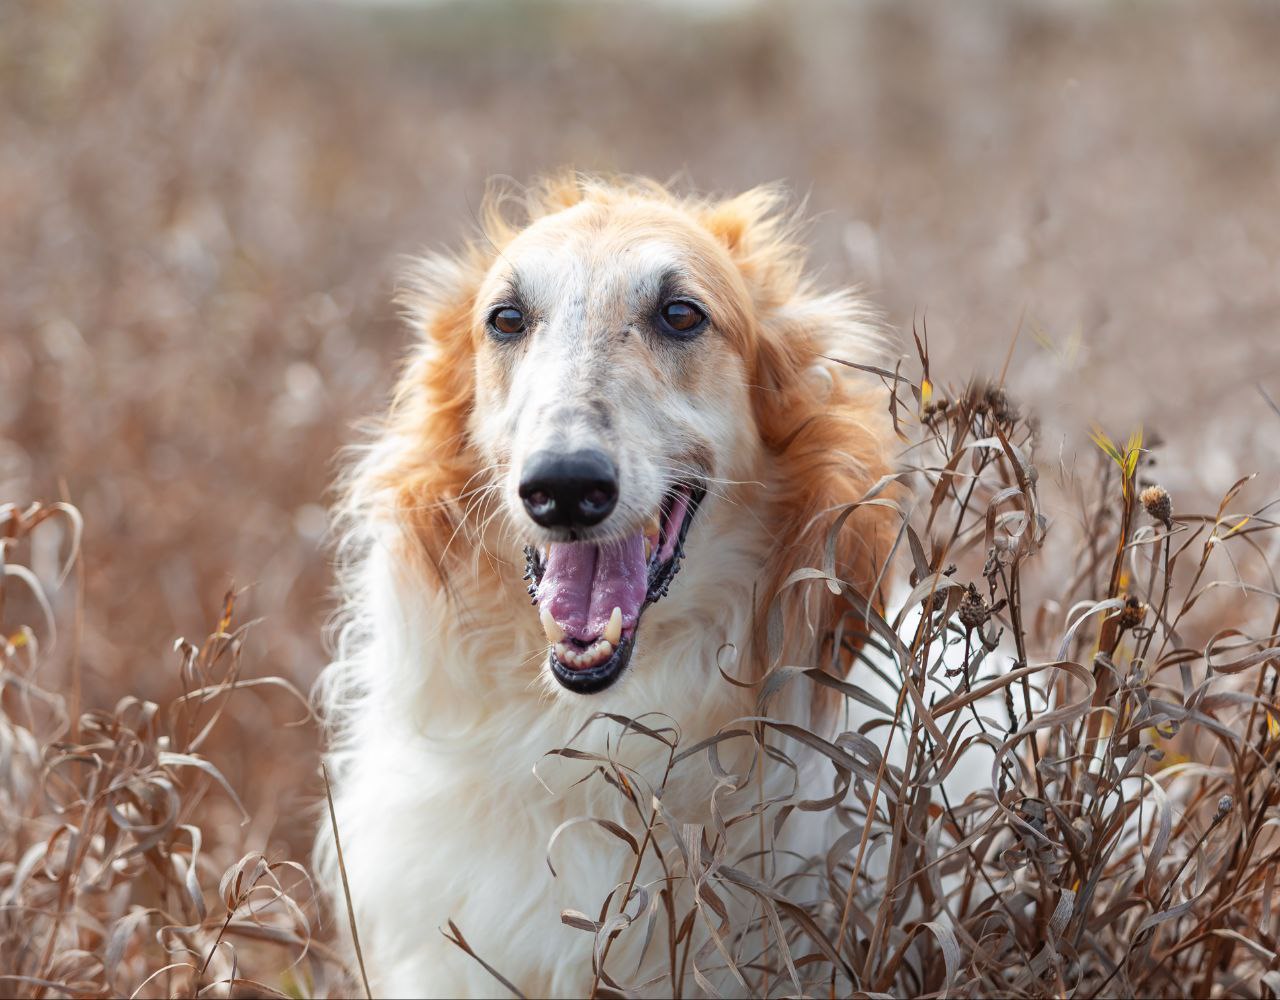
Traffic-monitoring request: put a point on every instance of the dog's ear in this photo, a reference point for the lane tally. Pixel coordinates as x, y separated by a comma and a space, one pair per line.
823, 428
416, 473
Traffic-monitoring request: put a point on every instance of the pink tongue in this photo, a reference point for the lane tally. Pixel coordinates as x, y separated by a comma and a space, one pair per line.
583, 583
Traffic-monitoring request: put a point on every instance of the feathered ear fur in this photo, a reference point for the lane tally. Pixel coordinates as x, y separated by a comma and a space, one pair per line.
826, 435
417, 475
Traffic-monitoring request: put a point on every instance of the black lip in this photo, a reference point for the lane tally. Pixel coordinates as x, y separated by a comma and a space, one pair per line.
597, 678
660, 576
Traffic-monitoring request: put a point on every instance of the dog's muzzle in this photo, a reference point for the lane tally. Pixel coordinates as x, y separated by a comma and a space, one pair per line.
590, 595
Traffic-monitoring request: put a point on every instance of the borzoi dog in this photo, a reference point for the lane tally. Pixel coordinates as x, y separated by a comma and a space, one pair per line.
625, 405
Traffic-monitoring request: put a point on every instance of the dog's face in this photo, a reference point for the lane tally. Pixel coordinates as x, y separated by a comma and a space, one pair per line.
611, 388
622, 373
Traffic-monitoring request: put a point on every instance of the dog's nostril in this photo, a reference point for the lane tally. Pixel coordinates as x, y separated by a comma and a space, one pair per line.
597, 499
575, 489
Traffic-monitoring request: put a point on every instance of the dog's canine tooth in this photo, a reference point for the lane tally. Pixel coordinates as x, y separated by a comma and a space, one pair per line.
652, 533
613, 631
555, 634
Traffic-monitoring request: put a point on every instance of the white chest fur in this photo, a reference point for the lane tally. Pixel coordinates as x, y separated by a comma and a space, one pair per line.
445, 714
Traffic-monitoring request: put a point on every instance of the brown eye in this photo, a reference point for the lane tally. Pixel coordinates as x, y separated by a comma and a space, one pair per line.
683, 317
507, 321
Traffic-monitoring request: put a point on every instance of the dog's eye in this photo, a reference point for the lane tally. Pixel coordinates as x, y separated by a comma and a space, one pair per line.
507, 321
683, 318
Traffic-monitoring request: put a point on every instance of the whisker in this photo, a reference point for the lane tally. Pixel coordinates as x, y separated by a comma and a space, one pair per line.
702, 477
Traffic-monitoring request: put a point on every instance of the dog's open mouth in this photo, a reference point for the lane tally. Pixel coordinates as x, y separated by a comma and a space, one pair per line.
590, 595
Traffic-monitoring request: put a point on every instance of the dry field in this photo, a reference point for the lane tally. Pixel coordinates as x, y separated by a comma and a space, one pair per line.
202, 208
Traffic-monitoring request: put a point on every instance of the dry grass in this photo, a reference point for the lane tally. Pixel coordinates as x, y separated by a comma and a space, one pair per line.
1072, 794
108, 885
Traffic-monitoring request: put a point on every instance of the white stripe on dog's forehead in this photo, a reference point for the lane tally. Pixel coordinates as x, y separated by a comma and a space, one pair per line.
579, 274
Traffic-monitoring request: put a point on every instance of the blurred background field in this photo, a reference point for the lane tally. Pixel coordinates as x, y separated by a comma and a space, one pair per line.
202, 207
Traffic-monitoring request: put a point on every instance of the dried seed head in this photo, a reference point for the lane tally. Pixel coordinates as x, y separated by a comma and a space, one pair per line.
1224, 806
1132, 613
1158, 505
973, 611
936, 408
984, 399
998, 402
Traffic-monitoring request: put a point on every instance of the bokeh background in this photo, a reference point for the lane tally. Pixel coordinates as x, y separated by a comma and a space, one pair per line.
203, 207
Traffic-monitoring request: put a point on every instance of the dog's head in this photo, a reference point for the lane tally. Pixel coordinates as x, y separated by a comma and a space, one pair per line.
596, 375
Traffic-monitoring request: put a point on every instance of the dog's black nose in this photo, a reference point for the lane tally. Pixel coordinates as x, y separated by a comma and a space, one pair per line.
574, 490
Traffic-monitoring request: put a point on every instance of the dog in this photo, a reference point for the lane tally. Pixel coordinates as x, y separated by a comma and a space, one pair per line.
623, 428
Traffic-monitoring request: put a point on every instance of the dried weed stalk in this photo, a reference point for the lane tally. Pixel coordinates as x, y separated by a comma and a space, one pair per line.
107, 886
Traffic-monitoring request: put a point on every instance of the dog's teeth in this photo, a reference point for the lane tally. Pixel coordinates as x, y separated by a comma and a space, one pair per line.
584, 659
551, 627
613, 631
652, 533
